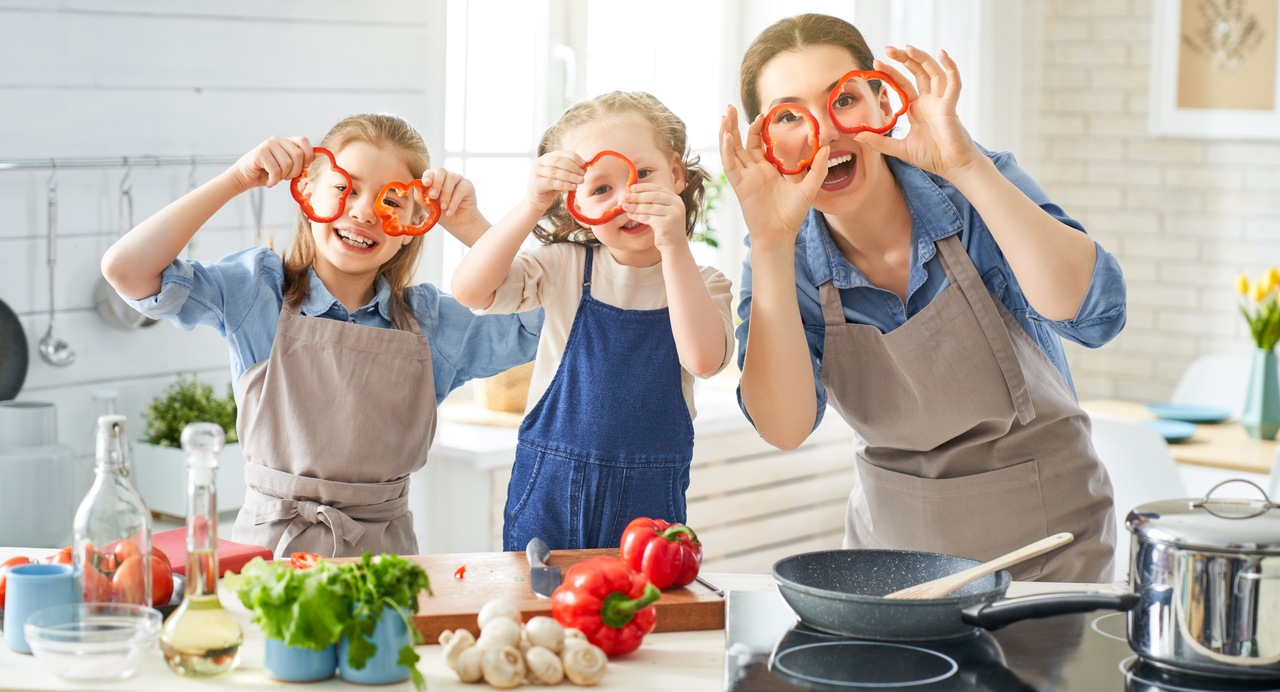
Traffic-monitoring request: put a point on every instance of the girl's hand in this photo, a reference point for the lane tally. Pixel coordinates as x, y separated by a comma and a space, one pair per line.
554, 173
773, 205
937, 141
662, 210
272, 161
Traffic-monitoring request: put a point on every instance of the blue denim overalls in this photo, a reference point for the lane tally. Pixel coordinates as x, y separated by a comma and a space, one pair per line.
610, 440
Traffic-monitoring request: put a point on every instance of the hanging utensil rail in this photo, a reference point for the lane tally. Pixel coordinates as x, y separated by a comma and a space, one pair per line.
114, 162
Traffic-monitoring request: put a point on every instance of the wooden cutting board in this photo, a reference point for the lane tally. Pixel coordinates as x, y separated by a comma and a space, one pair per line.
457, 602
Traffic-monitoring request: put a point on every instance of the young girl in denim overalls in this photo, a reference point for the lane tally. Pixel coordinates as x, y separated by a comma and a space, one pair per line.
630, 320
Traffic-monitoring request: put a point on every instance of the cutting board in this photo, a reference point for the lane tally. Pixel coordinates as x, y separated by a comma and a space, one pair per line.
457, 602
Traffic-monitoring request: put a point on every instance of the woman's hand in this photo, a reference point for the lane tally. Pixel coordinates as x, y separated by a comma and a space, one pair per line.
937, 141
554, 173
773, 205
662, 210
274, 160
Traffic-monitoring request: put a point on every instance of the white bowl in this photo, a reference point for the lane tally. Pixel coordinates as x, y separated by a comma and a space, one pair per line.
93, 641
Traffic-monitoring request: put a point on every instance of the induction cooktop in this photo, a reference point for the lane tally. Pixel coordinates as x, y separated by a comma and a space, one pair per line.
768, 650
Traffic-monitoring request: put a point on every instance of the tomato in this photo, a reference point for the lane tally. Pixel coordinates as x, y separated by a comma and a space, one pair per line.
123, 550
303, 560
4, 569
127, 583
161, 581
64, 556
158, 553
97, 587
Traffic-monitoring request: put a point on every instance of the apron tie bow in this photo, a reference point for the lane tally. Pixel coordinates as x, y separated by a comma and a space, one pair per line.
306, 513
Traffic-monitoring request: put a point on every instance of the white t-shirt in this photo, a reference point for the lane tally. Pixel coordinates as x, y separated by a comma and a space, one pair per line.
551, 276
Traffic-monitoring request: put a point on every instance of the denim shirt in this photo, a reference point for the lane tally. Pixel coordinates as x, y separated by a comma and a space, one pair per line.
938, 210
241, 296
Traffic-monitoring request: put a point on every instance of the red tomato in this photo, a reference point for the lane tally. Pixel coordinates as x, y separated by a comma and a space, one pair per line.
303, 560
64, 556
123, 550
158, 553
161, 581
127, 583
97, 587
4, 569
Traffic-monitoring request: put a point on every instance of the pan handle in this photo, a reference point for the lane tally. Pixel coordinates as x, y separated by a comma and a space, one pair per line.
997, 614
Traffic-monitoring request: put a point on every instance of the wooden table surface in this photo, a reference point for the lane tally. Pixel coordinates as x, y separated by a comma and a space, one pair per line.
1222, 445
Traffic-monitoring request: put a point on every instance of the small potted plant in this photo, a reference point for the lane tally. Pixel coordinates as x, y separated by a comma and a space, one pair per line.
1260, 305
158, 465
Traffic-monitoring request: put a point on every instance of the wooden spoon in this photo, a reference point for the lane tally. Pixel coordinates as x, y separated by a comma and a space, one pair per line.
937, 588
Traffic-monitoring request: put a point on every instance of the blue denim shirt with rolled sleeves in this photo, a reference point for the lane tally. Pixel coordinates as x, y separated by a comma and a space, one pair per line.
938, 210
241, 296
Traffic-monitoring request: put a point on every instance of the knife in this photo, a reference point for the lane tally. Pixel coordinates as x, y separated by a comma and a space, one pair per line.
542, 579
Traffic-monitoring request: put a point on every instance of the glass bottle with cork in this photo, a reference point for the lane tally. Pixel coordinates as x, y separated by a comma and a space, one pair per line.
201, 637
112, 526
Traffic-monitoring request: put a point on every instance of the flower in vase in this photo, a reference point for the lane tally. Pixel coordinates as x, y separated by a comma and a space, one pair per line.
1259, 306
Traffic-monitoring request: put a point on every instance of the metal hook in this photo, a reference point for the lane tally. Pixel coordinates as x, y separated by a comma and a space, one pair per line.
191, 175
125, 188
52, 182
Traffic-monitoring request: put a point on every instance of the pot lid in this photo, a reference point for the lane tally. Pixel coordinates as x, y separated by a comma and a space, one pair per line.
1211, 523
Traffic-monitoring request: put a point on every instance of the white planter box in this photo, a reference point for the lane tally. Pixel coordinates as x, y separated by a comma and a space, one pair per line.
160, 475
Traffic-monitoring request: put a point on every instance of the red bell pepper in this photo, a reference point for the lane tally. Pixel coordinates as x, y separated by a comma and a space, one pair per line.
460, 573
310, 212
866, 75
668, 554
570, 200
769, 143
302, 560
391, 222
609, 602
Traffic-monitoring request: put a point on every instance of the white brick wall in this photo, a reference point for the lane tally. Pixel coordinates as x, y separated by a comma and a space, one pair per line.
1182, 215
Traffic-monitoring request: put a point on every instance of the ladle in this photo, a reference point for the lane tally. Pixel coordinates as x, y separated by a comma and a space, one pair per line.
53, 350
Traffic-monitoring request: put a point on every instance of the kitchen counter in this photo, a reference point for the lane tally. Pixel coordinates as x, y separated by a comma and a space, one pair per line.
669, 661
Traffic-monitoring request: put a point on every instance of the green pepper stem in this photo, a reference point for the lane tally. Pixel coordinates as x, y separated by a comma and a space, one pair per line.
672, 533
617, 610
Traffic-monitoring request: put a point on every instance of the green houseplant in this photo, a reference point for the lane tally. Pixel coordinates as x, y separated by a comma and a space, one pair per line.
158, 463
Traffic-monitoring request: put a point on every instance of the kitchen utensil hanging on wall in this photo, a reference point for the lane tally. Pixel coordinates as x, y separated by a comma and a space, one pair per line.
54, 351
111, 307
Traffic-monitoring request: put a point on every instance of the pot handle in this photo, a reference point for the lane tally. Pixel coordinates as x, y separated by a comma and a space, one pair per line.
1265, 506
997, 614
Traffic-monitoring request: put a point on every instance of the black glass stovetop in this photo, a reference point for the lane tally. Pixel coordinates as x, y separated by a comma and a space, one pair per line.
768, 650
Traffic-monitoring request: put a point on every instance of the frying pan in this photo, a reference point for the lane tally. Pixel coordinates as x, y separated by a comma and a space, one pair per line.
13, 353
841, 592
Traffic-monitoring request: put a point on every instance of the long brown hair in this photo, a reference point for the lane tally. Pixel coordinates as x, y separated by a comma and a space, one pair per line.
794, 33
557, 225
384, 131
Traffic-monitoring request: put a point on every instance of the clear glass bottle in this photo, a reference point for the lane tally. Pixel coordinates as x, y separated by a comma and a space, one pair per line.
201, 637
112, 527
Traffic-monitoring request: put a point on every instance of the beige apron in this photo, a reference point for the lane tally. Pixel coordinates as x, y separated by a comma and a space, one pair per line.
972, 443
331, 424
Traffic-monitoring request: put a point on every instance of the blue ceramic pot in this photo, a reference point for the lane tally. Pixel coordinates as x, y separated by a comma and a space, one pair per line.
1261, 416
298, 664
389, 637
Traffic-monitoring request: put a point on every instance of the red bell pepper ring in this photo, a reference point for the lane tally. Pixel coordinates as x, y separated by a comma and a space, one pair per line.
866, 75
769, 142
668, 554
307, 209
609, 602
570, 200
303, 560
391, 221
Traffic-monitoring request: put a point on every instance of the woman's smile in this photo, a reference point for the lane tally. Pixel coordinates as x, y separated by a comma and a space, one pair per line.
840, 170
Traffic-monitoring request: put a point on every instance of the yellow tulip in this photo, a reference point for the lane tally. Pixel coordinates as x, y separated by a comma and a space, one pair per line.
1242, 284
1273, 279
1257, 292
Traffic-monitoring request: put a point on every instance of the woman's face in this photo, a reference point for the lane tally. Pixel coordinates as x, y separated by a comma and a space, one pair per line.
354, 243
806, 78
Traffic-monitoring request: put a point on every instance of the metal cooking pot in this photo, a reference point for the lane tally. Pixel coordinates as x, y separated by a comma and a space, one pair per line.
1207, 573
842, 592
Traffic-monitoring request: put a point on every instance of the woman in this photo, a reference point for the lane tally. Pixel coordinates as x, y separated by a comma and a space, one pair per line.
921, 284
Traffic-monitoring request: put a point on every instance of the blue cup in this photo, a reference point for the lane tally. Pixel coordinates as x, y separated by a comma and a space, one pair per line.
390, 635
34, 587
297, 664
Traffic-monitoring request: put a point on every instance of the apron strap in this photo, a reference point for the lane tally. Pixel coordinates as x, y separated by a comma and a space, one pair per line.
959, 268
586, 271
832, 307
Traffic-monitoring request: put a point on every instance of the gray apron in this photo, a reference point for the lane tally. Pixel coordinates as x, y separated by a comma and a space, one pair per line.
971, 442
331, 424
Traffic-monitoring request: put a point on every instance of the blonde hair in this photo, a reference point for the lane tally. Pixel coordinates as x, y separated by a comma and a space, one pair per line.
794, 33
557, 225
384, 131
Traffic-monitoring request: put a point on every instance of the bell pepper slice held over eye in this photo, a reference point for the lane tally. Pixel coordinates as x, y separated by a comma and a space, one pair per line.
770, 144
866, 75
391, 222
301, 199
570, 200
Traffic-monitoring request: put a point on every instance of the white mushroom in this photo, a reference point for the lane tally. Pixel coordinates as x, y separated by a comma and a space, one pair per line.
502, 631
468, 666
454, 643
544, 666
574, 636
584, 664
503, 666
497, 608
545, 632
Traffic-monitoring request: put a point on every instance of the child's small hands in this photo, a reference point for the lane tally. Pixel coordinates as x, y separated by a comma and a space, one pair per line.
271, 162
554, 173
455, 194
662, 210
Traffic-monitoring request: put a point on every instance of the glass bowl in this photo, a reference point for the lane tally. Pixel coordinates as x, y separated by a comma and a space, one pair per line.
93, 641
